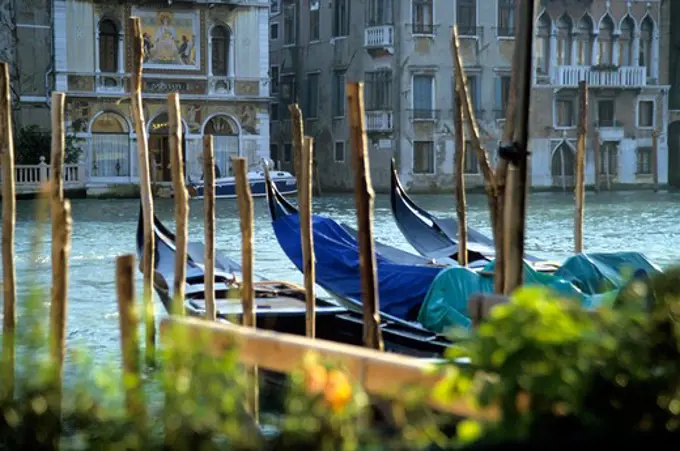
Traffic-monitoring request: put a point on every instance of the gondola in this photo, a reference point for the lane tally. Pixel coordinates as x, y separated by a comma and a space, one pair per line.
280, 306
437, 238
404, 279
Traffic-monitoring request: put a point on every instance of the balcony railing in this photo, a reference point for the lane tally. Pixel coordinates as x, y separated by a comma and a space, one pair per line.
29, 177
379, 121
621, 77
380, 36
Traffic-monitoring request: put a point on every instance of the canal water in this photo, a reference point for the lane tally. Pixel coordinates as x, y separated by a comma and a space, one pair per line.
104, 229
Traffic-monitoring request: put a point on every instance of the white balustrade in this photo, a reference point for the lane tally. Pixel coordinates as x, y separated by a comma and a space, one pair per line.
379, 36
379, 121
622, 77
28, 177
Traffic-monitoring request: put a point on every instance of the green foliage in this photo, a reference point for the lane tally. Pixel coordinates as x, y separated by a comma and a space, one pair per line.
31, 143
552, 367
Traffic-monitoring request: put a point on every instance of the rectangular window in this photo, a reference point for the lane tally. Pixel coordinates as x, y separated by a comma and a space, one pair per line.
274, 31
378, 12
378, 89
313, 20
473, 90
338, 94
422, 16
471, 166
609, 158
339, 152
466, 17
288, 94
644, 160
289, 23
564, 113
646, 113
506, 18
287, 153
423, 157
274, 111
605, 113
341, 19
274, 79
311, 110
274, 6
274, 154
423, 96
502, 95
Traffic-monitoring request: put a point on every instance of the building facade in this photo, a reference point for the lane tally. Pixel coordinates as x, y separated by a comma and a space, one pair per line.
401, 50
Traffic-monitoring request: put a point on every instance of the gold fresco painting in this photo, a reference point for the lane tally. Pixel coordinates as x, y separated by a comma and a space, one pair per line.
171, 39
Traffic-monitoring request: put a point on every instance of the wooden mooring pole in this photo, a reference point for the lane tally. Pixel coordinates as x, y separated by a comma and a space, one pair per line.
209, 225
459, 170
305, 204
145, 187
581, 165
518, 155
181, 202
364, 200
245, 206
298, 131
129, 338
9, 289
61, 239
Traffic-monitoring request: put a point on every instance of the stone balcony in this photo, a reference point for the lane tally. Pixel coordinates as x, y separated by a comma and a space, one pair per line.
379, 121
379, 37
621, 77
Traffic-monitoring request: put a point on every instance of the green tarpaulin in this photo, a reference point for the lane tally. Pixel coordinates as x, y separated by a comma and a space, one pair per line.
587, 278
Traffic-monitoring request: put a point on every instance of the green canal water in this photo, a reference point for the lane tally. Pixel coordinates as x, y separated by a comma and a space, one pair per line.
104, 229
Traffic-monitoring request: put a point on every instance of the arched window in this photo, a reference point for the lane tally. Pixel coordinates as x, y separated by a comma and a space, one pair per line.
543, 45
605, 41
110, 146
563, 166
225, 143
646, 33
220, 37
108, 46
626, 42
584, 41
564, 26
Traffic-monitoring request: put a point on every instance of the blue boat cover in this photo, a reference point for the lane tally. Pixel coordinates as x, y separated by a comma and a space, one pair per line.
590, 279
402, 288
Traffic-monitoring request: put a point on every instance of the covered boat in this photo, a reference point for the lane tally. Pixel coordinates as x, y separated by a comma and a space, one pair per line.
225, 187
280, 306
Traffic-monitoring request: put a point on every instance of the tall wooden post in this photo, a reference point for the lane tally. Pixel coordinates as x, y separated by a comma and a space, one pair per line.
9, 288
209, 225
181, 202
364, 199
655, 159
518, 157
298, 130
461, 207
61, 237
245, 206
145, 186
305, 204
596, 154
581, 165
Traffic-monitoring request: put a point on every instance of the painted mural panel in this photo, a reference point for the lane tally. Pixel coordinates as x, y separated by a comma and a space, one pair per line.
171, 39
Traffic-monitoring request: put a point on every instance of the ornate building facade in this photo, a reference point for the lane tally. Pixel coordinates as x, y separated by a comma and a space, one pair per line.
214, 54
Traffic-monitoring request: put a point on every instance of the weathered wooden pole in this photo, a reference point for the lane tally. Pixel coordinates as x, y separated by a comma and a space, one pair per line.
581, 165
129, 337
493, 181
61, 239
145, 187
364, 200
596, 152
461, 204
305, 203
298, 130
245, 206
181, 202
209, 225
518, 154
9, 288
655, 161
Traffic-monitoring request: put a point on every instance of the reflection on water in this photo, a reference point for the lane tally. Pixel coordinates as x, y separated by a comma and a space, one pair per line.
104, 229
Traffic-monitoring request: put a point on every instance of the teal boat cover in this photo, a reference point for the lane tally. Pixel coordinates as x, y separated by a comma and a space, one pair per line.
587, 278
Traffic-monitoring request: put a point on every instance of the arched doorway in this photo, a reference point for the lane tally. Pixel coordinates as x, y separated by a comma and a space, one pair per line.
110, 152
159, 148
225, 142
563, 166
